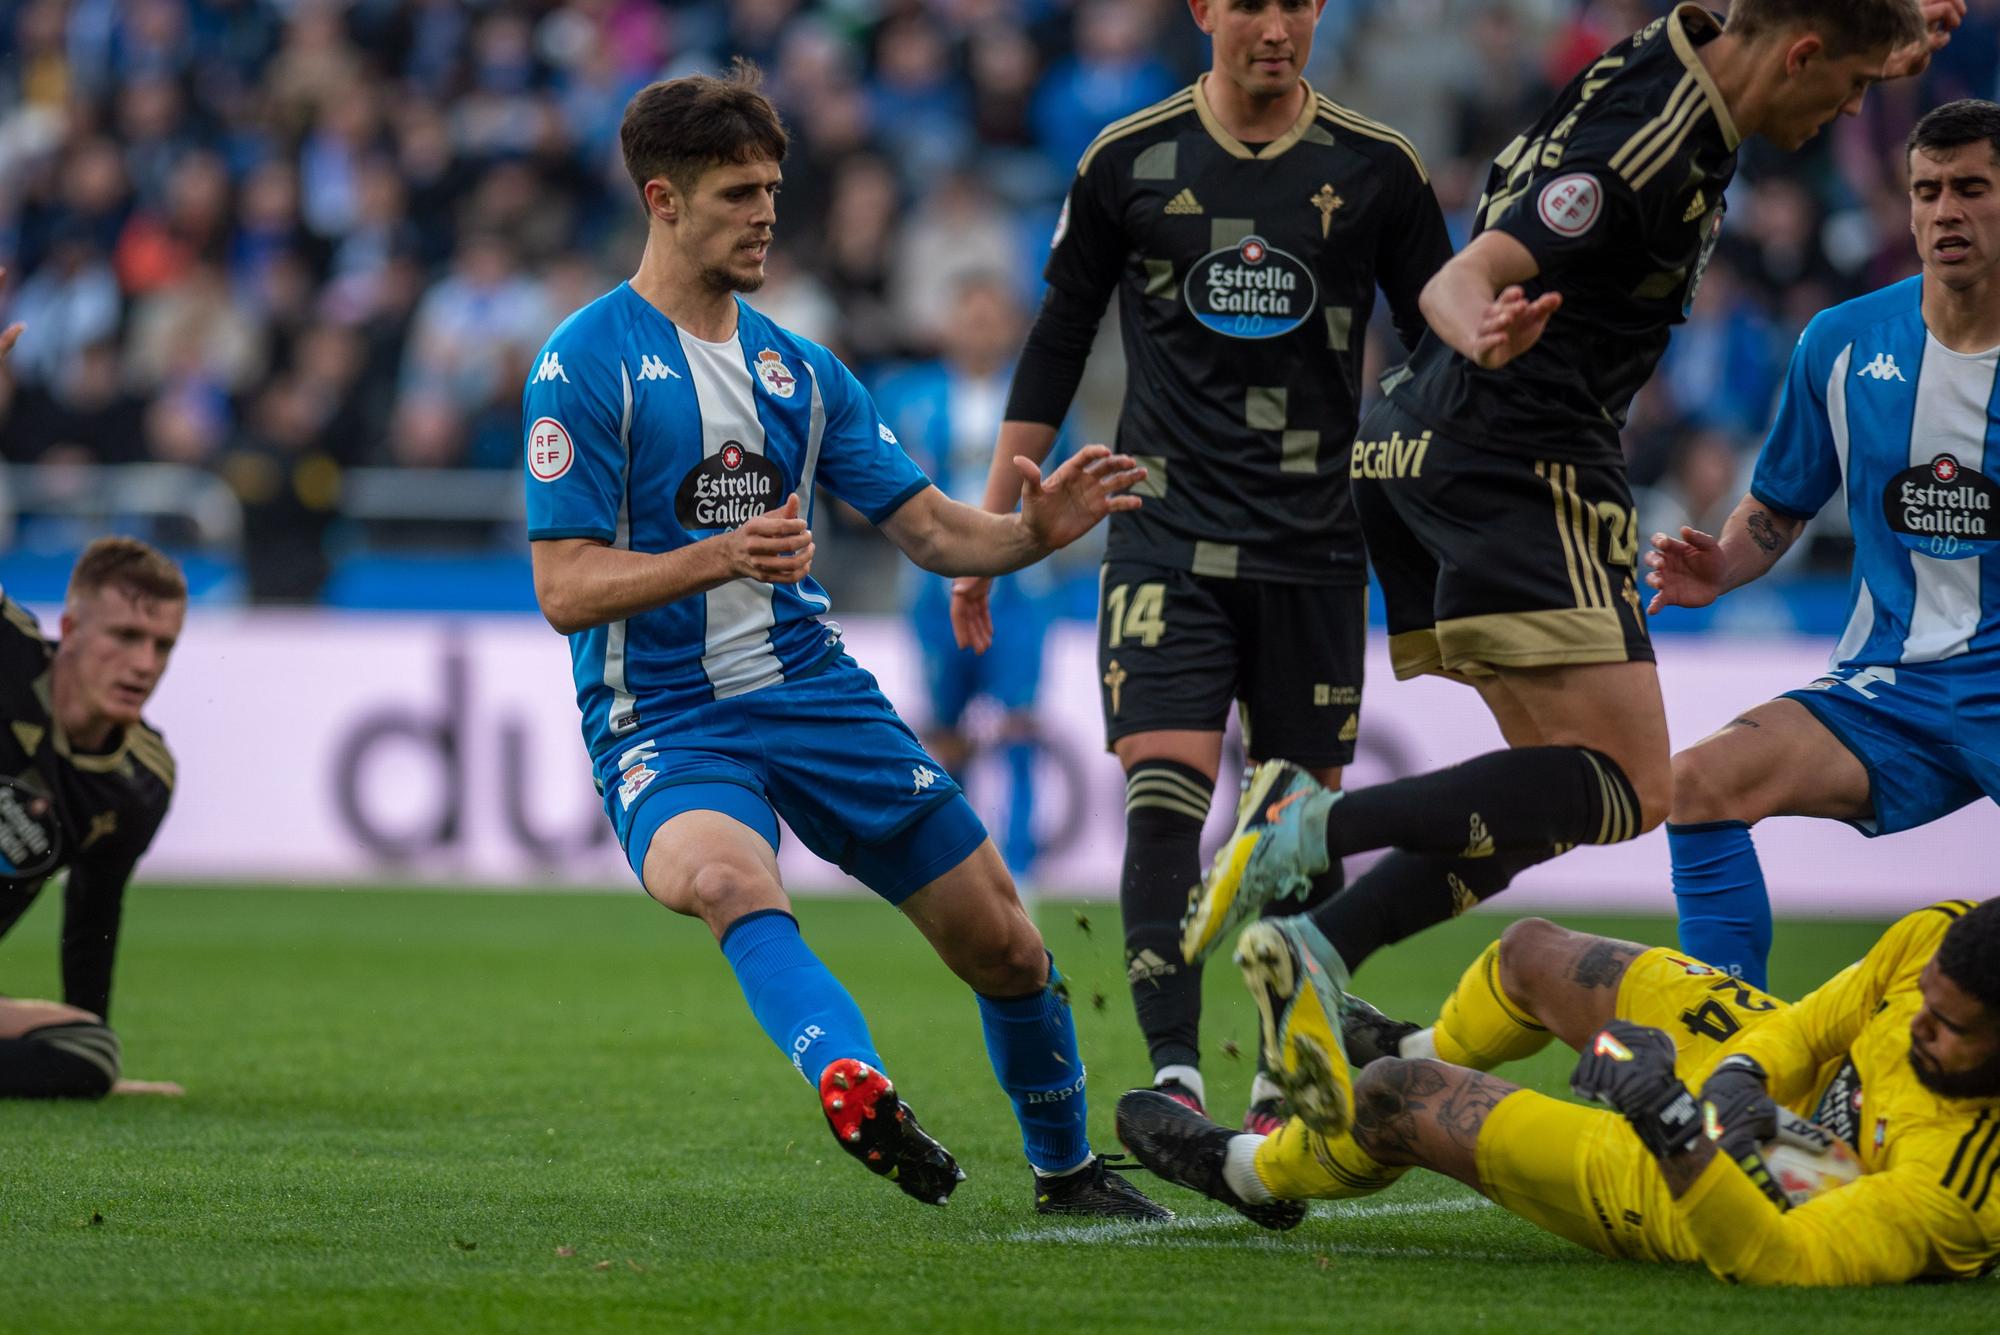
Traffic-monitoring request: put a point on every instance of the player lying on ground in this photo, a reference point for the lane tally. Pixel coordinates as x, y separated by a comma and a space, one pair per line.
52, 1051
1490, 481
1246, 224
675, 440
1898, 1056
1889, 398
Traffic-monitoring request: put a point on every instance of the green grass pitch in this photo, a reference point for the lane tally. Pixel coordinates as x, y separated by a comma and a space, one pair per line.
414, 1112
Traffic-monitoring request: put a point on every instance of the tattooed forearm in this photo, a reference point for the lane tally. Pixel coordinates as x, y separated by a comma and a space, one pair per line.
1603, 963
1746, 722
1464, 1109
1389, 1104
1763, 532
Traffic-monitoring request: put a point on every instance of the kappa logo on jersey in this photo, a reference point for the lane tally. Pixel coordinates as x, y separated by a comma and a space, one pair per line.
728, 489
1882, 368
924, 776
774, 375
1250, 290
652, 368
550, 452
550, 369
1942, 509
1570, 205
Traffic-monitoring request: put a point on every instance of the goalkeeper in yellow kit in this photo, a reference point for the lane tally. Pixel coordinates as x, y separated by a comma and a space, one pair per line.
1898, 1055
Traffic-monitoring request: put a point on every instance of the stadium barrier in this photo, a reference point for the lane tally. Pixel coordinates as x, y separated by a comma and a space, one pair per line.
345, 748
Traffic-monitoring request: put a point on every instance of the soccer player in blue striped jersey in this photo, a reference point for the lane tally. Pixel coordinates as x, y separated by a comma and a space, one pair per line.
674, 441
1896, 396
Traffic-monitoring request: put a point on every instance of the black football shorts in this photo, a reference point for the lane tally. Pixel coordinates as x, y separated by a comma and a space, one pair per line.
1491, 560
1176, 649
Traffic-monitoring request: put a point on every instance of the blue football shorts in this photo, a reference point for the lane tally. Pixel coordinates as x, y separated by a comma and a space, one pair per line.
826, 752
1928, 734
1009, 673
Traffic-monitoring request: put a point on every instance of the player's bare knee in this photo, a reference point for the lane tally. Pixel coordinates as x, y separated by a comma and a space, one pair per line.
1704, 790
1531, 951
1653, 784
720, 892
1386, 1118
1012, 966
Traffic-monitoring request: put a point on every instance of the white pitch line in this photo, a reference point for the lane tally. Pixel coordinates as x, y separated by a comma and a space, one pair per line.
1137, 1231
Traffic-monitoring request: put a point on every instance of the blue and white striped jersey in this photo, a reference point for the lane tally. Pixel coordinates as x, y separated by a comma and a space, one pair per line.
645, 437
1910, 427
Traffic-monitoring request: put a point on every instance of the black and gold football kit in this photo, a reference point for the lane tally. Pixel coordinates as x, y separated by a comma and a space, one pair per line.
1246, 276
1927, 1203
92, 813
1495, 502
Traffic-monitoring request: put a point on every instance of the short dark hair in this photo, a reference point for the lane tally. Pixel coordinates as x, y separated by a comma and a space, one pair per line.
1956, 124
679, 128
130, 565
1969, 955
1846, 26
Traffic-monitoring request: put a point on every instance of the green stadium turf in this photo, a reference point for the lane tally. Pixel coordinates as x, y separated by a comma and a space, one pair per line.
416, 1112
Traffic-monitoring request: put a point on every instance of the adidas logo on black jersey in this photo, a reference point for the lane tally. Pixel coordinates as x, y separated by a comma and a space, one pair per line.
1184, 202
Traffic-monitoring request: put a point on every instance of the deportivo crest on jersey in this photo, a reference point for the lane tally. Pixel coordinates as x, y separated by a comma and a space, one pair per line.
550, 451
1251, 290
882, 430
550, 369
1942, 509
774, 375
728, 489
633, 782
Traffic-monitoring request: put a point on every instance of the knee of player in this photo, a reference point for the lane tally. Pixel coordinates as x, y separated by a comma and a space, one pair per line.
1703, 790
1528, 949
724, 891
1016, 965
84, 1059
1384, 1113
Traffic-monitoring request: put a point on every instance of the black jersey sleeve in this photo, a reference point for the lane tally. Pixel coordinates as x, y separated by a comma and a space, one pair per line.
1577, 210
1410, 254
93, 908
1088, 251
1052, 360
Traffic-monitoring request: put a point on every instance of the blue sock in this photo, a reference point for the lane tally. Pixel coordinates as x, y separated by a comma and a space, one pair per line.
1032, 1041
801, 1005
1725, 910
1020, 849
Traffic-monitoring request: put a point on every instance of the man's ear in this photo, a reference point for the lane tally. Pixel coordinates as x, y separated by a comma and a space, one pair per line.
1803, 51
662, 200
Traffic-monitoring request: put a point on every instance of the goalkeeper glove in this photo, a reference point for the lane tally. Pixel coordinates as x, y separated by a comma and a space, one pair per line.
1630, 1067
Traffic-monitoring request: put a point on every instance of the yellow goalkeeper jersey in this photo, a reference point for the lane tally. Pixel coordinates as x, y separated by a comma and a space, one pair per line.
1928, 1204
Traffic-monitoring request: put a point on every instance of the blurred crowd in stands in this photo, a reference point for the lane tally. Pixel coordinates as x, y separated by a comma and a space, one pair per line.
277, 241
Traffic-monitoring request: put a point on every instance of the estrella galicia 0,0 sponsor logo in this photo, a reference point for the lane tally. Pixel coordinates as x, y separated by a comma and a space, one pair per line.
1250, 290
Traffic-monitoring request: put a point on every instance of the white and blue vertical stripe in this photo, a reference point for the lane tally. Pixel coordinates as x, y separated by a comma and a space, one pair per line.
1871, 396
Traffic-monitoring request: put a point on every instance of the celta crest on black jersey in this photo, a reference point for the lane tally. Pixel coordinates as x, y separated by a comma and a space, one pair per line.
1246, 276
1617, 193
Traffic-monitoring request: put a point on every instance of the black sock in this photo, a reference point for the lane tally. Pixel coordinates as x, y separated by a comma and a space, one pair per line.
1165, 805
1516, 801
1407, 892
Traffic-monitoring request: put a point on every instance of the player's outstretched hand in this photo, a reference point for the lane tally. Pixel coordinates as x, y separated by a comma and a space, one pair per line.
775, 547
972, 612
162, 1088
1512, 325
1684, 571
1062, 507
1942, 18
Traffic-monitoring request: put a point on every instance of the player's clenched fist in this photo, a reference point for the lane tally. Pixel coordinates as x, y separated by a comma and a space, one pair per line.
775, 547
